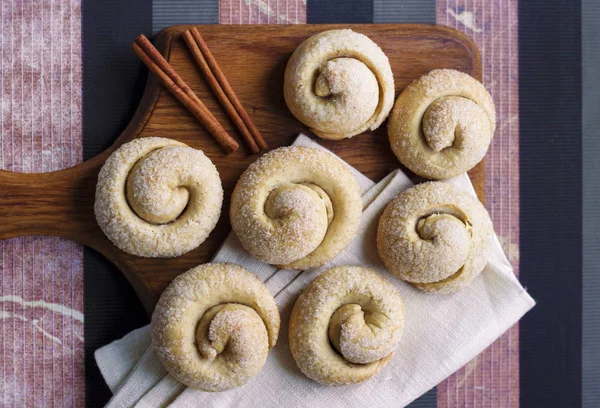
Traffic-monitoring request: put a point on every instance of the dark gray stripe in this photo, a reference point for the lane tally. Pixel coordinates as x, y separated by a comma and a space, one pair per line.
166, 13
590, 381
405, 11
339, 11
113, 81
113, 77
408, 11
550, 187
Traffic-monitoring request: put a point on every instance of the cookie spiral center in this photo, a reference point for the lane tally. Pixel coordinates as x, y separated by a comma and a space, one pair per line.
232, 332
351, 88
154, 186
447, 240
303, 212
454, 121
360, 337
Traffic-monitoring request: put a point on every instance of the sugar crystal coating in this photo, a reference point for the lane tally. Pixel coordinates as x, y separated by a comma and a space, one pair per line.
213, 327
339, 83
435, 236
346, 325
296, 206
442, 124
157, 197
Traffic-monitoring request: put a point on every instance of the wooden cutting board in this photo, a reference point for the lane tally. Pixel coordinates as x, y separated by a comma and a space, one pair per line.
253, 57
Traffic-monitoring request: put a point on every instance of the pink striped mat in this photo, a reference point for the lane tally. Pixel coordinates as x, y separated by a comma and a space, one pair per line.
41, 292
492, 378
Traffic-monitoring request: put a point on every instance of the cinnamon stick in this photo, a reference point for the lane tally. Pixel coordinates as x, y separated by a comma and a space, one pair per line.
222, 83
218, 90
156, 63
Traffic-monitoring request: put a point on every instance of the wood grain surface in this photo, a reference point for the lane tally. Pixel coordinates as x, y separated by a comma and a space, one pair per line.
253, 58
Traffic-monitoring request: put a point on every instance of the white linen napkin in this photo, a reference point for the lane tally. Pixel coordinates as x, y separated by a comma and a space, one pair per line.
442, 332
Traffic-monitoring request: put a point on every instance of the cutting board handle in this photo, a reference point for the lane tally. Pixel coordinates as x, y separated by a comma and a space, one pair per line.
61, 203
56, 203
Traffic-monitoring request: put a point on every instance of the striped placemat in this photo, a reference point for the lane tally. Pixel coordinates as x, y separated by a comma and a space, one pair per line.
41, 286
492, 378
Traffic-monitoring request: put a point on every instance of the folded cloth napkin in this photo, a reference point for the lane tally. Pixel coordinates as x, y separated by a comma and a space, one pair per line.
442, 332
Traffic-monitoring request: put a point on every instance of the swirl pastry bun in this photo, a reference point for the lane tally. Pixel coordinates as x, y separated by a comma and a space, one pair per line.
346, 325
442, 124
296, 207
435, 236
157, 197
213, 327
339, 83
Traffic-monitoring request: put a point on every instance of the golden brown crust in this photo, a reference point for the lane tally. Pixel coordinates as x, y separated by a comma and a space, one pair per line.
435, 236
339, 83
213, 326
346, 325
442, 124
296, 207
157, 197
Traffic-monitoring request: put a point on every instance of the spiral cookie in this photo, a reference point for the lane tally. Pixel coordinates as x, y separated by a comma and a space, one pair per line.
435, 236
157, 197
213, 327
346, 325
442, 124
296, 207
339, 83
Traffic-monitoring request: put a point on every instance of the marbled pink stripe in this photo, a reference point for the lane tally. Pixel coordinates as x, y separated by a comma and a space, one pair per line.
492, 378
262, 11
41, 292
